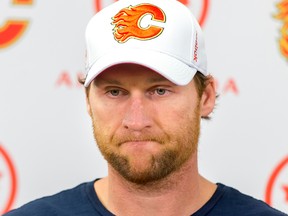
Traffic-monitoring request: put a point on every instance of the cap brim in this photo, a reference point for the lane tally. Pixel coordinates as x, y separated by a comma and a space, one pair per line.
169, 67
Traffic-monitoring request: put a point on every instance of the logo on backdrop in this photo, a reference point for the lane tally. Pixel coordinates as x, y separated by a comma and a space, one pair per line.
13, 29
8, 181
198, 7
283, 16
128, 21
277, 187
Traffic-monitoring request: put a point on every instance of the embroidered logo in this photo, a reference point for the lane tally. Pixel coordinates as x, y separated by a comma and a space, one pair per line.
128, 23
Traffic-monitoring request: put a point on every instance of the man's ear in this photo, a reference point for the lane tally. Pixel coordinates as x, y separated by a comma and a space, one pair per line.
208, 98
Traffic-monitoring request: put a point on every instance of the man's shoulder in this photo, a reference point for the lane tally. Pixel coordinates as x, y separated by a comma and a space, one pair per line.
243, 204
62, 203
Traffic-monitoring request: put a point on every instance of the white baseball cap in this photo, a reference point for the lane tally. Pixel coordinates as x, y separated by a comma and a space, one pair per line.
162, 35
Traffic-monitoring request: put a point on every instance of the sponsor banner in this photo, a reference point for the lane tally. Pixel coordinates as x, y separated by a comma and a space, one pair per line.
53, 107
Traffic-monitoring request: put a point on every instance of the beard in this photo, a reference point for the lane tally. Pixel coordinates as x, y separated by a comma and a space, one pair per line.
176, 148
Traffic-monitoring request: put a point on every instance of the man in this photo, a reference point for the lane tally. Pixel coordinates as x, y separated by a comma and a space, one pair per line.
147, 89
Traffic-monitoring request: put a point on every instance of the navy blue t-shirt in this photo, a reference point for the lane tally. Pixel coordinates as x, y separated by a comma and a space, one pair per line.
82, 200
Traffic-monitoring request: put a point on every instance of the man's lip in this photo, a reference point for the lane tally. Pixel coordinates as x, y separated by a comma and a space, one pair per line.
137, 142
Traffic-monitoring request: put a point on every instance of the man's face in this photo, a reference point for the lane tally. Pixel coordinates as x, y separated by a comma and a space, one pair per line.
145, 126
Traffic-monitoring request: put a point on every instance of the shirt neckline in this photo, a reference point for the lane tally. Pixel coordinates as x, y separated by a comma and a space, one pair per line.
100, 208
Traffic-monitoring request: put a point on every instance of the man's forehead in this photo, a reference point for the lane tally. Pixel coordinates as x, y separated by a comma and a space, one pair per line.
118, 73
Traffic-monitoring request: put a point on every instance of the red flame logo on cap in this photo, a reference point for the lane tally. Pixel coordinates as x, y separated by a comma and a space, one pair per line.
127, 23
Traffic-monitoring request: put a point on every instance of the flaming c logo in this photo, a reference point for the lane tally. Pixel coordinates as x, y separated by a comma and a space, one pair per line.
128, 23
12, 29
283, 15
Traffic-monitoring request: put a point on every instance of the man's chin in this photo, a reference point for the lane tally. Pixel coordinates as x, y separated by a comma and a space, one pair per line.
144, 168
142, 178
139, 170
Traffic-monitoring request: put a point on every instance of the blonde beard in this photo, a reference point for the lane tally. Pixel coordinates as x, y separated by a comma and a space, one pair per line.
178, 148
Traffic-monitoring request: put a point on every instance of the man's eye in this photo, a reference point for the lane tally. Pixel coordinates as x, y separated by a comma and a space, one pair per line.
114, 92
160, 91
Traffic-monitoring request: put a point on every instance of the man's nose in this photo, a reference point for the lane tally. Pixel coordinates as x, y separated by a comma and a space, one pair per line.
138, 115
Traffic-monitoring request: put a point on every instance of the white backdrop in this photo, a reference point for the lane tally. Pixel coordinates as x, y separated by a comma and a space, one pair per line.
46, 142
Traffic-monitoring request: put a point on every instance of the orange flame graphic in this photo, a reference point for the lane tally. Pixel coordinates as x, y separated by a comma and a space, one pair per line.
283, 15
12, 29
127, 23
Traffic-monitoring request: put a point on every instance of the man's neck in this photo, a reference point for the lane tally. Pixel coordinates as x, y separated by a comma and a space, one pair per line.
182, 193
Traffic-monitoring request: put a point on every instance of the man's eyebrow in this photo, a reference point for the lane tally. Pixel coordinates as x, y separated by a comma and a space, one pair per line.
98, 82
102, 81
157, 79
